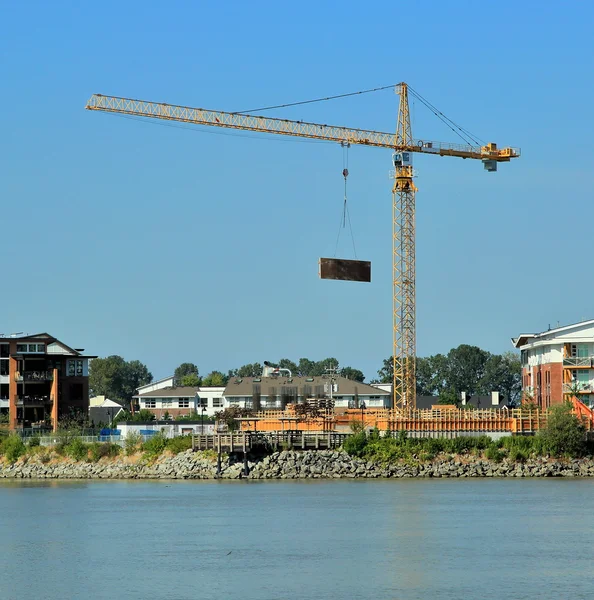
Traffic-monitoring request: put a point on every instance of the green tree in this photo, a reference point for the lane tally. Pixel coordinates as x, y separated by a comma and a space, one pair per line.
116, 378
503, 374
306, 367
214, 379
184, 369
465, 369
564, 433
285, 363
140, 416
229, 416
190, 380
352, 374
323, 365
386, 373
249, 370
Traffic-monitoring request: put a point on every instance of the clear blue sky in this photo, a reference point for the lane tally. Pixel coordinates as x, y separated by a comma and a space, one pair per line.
169, 244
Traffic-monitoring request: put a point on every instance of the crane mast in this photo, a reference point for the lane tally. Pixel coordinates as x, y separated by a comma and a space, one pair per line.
403, 263
403, 194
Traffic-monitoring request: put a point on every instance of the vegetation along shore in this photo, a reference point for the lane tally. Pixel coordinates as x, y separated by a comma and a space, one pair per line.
560, 450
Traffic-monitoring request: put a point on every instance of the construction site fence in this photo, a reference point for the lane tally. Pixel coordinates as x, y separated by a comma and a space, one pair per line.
515, 421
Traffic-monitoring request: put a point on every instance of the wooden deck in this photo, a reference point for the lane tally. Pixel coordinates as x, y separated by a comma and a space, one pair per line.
289, 440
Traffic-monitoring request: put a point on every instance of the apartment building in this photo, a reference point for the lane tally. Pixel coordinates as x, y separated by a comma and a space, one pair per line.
557, 364
41, 379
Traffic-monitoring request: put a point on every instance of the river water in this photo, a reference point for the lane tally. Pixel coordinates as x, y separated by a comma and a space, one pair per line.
322, 540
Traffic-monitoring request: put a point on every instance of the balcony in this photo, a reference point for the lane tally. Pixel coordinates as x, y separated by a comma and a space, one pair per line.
578, 387
578, 361
34, 376
33, 400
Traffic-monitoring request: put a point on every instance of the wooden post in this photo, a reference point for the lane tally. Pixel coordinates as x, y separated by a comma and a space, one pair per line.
218, 456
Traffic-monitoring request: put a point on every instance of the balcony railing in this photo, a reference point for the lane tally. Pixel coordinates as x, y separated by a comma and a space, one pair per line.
578, 388
33, 400
33, 376
578, 361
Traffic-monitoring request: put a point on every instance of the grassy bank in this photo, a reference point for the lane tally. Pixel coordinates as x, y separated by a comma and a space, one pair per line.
12, 447
374, 448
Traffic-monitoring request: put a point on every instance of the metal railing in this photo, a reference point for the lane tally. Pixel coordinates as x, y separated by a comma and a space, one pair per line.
33, 400
577, 388
578, 361
33, 376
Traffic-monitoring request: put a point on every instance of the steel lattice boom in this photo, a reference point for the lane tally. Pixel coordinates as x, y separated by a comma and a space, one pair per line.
403, 192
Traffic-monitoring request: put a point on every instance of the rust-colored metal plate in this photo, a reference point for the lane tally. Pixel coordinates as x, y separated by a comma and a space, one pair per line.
345, 270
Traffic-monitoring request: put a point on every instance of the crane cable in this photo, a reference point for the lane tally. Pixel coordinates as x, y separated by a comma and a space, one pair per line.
345, 215
469, 139
378, 89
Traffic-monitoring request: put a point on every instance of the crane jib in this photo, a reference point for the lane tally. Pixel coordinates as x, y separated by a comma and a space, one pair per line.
199, 116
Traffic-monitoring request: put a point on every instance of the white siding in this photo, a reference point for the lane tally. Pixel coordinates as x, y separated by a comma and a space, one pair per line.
156, 385
57, 348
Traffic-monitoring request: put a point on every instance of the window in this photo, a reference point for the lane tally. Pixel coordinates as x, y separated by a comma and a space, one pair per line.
165, 403
184, 403
150, 404
21, 347
4, 367
75, 368
579, 350
203, 402
217, 402
4, 350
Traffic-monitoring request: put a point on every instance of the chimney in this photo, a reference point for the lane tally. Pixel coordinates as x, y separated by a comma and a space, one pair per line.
495, 398
463, 397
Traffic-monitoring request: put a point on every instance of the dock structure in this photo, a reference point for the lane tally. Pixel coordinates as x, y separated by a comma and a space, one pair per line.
246, 441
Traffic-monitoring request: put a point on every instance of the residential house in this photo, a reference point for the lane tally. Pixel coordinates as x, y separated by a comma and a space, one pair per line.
180, 401
278, 391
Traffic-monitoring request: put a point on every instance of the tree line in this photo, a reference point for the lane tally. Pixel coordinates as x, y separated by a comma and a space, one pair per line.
463, 369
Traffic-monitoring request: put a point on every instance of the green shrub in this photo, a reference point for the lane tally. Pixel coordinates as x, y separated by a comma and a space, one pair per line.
64, 437
426, 456
132, 442
355, 444
564, 433
493, 453
518, 442
356, 426
179, 444
518, 455
155, 445
13, 447
99, 450
34, 441
76, 449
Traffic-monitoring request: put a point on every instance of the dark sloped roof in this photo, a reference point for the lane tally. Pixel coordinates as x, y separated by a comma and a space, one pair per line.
98, 414
244, 386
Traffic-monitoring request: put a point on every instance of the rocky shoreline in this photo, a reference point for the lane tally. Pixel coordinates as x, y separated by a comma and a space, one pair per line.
290, 465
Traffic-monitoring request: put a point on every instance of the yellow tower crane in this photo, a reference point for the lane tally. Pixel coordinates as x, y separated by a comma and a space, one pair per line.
403, 194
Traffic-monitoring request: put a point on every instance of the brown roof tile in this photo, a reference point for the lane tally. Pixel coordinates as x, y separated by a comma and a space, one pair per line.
244, 386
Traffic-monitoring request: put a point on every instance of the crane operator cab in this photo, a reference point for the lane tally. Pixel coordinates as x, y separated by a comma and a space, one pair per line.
402, 159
